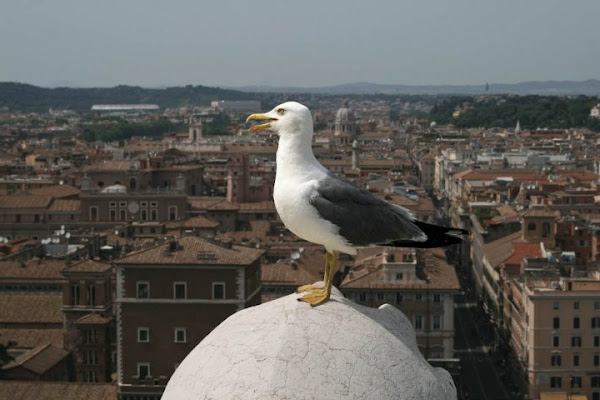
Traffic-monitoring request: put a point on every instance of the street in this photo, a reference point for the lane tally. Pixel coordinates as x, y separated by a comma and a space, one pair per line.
482, 374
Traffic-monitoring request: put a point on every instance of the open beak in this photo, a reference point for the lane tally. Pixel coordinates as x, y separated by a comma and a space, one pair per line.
260, 117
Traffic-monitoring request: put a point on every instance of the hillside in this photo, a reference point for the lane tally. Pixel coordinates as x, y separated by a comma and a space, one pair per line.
531, 111
24, 97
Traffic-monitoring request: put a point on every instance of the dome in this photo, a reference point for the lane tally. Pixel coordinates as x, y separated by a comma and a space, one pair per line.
285, 349
344, 113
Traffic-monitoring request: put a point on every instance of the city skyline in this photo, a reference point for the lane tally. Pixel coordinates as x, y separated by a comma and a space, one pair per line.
304, 45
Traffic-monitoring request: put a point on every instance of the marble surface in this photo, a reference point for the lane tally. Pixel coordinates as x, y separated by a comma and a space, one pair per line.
284, 349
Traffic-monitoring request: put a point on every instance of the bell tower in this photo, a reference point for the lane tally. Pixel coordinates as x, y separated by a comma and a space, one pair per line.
195, 130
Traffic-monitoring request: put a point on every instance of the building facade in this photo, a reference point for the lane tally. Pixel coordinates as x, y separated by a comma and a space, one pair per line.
169, 298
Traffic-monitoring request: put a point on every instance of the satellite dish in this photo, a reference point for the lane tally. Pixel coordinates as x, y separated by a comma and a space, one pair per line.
67, 235
62, 228
62, 231
295, 255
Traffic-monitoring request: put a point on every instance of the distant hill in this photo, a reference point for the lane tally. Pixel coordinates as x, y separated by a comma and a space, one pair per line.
589, 87
24, 97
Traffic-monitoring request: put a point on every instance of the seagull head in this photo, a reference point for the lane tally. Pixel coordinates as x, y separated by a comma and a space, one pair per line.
289, 118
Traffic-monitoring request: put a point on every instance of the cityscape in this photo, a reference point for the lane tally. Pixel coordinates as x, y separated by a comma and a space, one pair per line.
138, 225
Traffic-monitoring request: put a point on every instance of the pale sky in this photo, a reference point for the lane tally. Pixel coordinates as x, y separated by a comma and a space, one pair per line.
297, 43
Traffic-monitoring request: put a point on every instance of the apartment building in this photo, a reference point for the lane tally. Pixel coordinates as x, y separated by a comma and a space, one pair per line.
169, 297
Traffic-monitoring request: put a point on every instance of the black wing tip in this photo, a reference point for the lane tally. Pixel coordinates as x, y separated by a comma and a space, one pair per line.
437, 236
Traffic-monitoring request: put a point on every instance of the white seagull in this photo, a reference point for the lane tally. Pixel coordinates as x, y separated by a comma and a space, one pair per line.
322, 208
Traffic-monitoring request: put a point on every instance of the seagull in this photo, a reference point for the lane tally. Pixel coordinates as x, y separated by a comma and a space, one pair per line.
322, 208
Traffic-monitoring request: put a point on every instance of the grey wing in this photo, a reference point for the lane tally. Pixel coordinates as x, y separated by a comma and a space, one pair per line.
363, 219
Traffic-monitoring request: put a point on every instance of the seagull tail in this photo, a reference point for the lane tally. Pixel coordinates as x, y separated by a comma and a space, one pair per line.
437, 236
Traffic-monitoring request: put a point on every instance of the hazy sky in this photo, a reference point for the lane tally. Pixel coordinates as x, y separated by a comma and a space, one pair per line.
297, 43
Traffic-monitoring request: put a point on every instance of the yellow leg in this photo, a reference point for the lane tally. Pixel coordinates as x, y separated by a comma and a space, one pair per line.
308, 288
319, 295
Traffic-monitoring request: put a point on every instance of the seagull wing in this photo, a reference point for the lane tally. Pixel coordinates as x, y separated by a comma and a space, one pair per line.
362, 218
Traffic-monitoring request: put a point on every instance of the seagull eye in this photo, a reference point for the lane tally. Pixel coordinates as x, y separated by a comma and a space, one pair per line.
280, 111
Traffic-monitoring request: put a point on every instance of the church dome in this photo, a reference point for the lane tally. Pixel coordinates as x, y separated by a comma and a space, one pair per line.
344, 113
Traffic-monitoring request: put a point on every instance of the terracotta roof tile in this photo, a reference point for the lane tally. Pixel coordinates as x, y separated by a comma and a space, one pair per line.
438, 275
65, 205
88, 266
218, 204
25, 201
30, 338
193, 250
56, 191
39, 359
32, 270
31, 308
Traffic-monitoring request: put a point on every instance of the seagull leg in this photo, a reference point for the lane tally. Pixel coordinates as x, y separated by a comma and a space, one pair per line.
308, 288
320, 295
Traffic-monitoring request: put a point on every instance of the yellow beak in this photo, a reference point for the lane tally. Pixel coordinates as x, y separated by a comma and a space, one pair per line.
260, 117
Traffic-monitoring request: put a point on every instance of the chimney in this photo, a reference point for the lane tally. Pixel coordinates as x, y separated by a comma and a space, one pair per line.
226, 243
173, 245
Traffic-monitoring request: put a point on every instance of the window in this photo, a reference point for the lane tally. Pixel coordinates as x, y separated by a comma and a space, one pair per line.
132, 183
399, 276
180, 335
575, 305
362, 296
556, 305
437, 322
93, 213
122, 215
575, 381
144, 216
143, 290
575, 341
418, 321
179, 290
122, 204
154, 204
597, 305
143, 370
576, 323
380, 296
595, 322
597, 341
556, 322
437, 298
113, 215
545, 229
419, 296
555, 382
595, 381
112, 204
90, 376
89, 337
74, 295
556, 341
219, 290
143, 335
91, 295
575, 360
596, 360
154, 215
143, 204
399, 298
531, 226
172, 213
555, 360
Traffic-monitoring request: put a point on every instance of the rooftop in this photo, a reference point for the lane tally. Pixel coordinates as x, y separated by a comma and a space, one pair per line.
193, 250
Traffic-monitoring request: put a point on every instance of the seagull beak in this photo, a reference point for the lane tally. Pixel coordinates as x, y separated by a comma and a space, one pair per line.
260, 117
